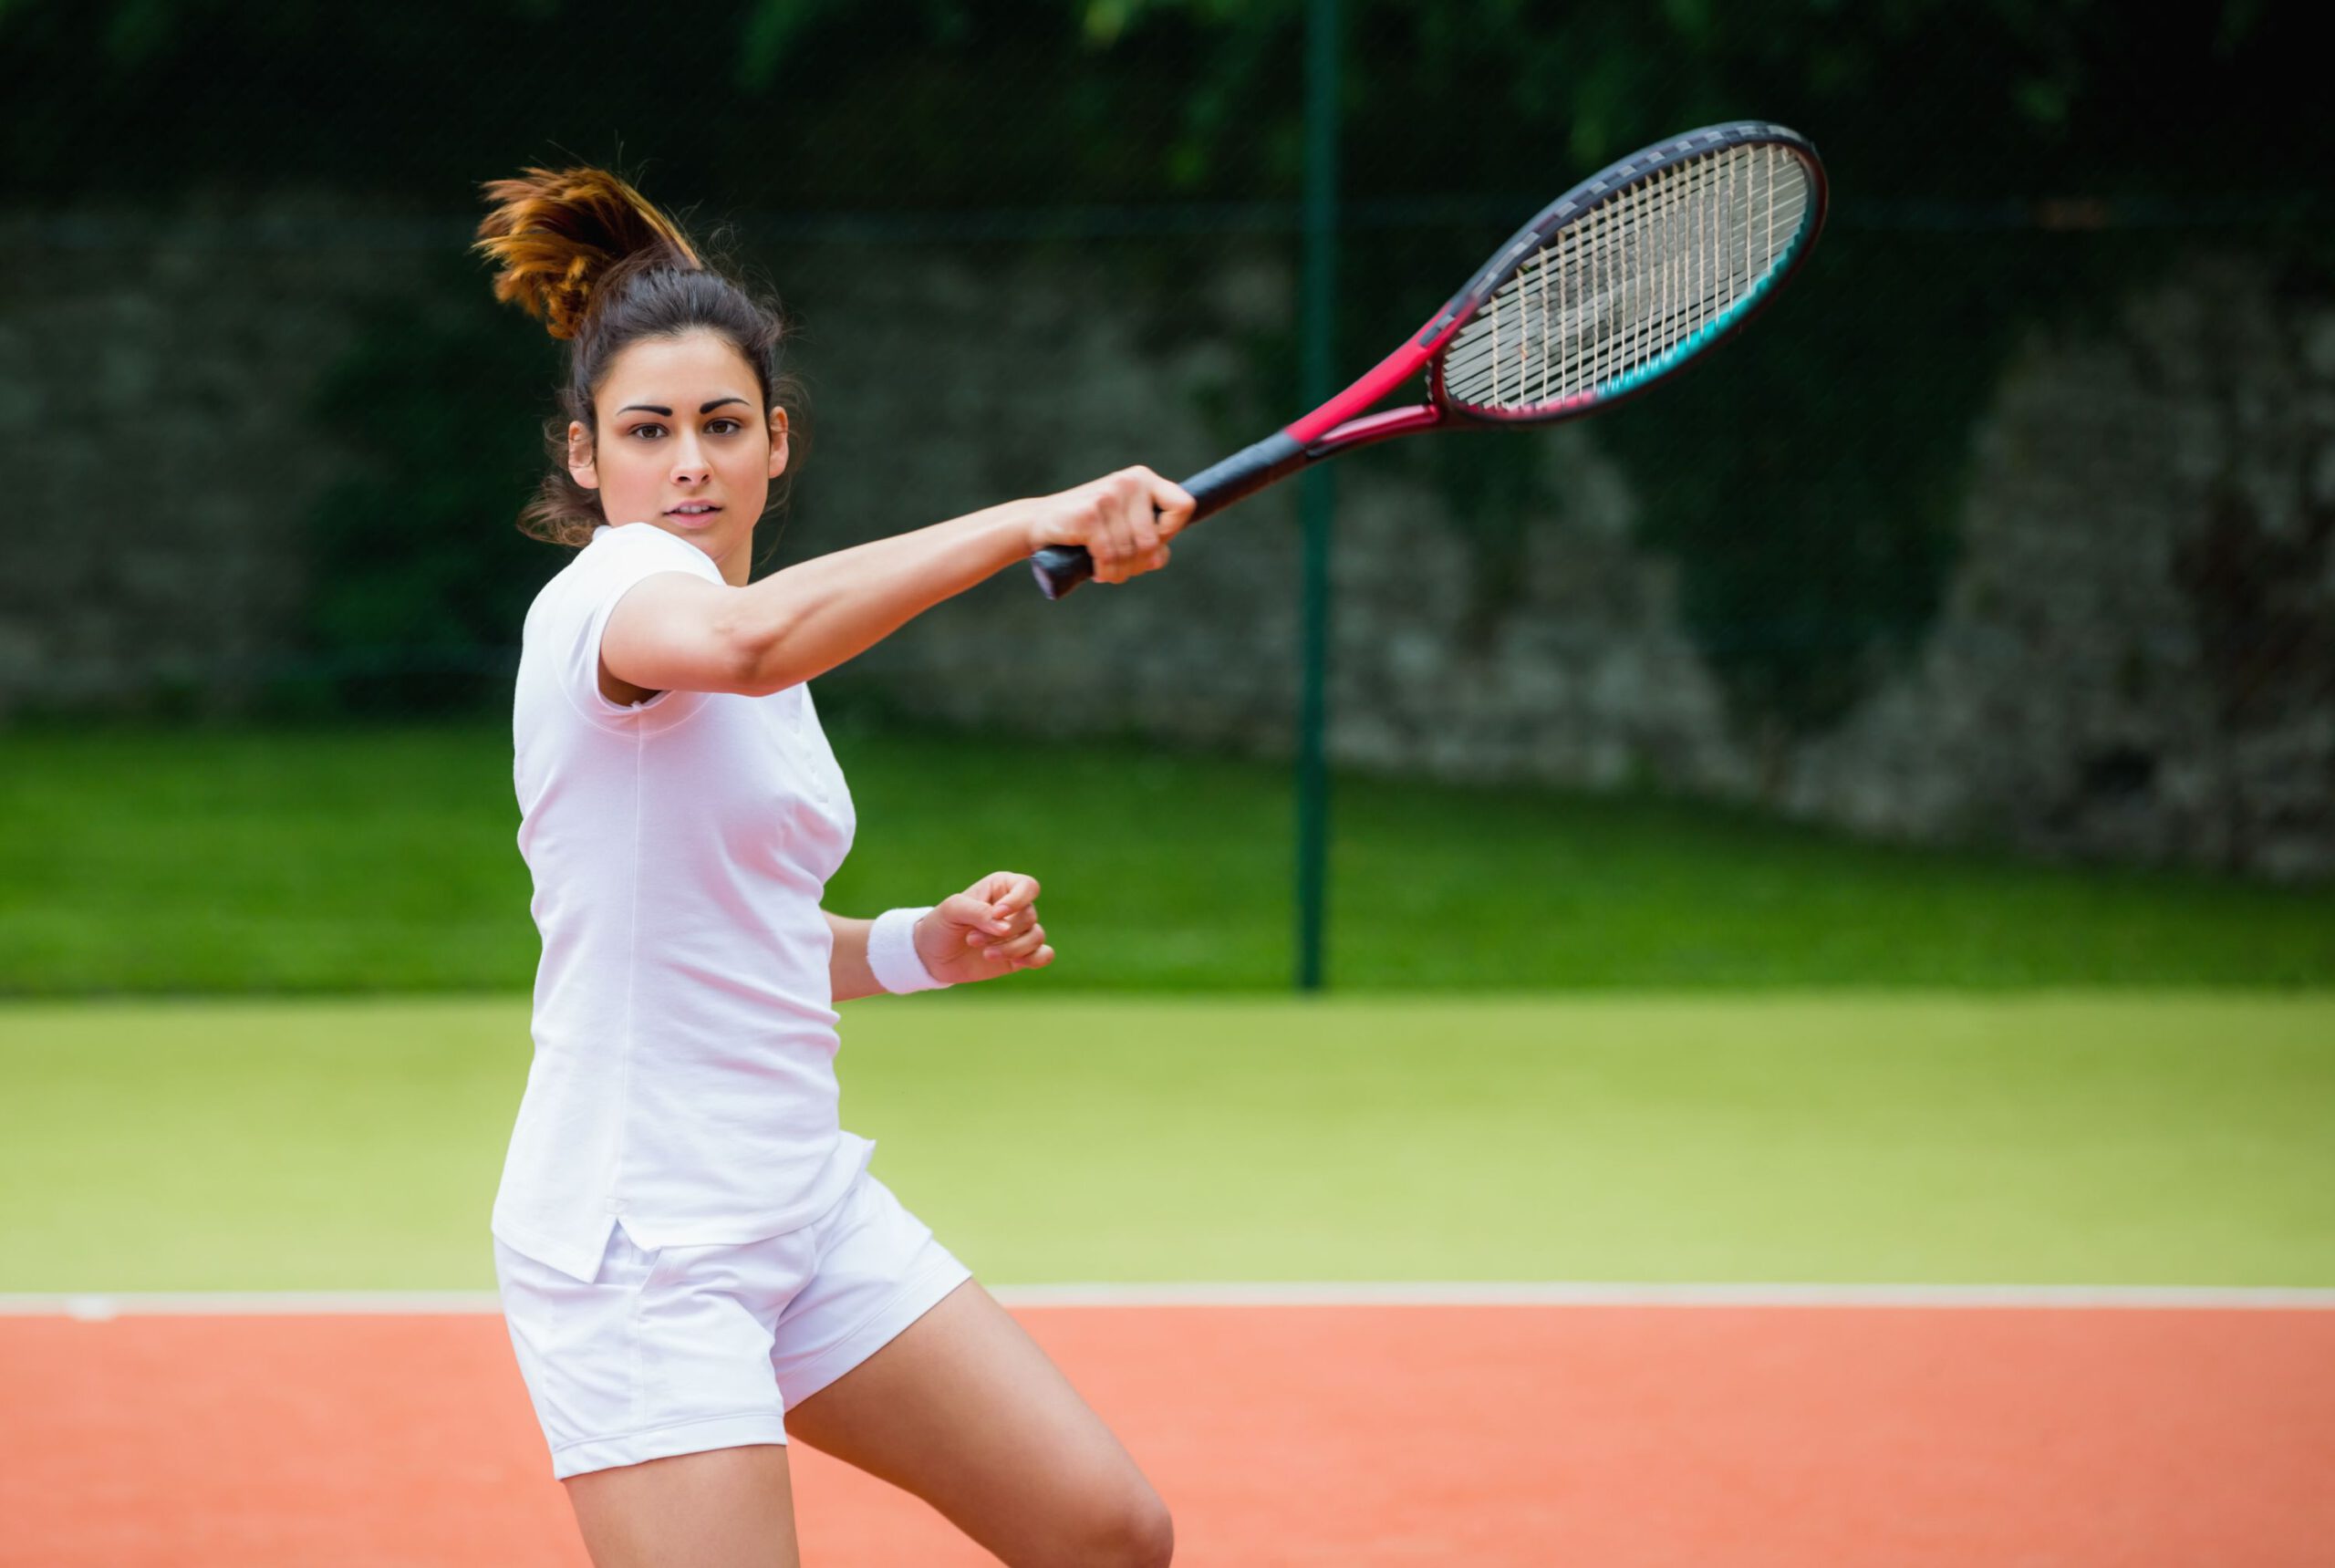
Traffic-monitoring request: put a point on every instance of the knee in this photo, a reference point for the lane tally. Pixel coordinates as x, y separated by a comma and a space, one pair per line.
1150, 1535
1133, 1532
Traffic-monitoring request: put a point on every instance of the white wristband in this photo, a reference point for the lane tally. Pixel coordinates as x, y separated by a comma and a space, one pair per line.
892, 955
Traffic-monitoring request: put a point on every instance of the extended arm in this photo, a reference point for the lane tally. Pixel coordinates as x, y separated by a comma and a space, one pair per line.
678, 632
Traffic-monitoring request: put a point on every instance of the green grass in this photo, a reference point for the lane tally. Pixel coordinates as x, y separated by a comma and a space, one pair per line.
2169, 1139
340, 861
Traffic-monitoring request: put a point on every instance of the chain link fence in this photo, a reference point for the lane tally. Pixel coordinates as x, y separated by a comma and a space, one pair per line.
2010, 521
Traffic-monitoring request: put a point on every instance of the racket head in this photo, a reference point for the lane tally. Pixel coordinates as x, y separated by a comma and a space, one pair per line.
1630, 276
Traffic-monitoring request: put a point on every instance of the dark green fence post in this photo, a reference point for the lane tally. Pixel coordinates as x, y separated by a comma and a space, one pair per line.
1315, 498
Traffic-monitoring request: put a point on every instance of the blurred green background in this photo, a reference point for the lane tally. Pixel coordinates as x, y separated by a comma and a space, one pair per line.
382, 859
1864, 811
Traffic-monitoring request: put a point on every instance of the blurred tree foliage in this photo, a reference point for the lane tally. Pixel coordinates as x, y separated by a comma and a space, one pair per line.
881, 103
1813, 534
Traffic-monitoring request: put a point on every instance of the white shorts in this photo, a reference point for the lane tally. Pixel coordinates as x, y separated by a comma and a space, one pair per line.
682, 1349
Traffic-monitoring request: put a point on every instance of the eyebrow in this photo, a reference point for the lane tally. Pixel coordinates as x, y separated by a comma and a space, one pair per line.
702, 408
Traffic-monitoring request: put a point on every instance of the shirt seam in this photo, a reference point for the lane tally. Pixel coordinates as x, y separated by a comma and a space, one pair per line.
636, 718
631, 978
644, 714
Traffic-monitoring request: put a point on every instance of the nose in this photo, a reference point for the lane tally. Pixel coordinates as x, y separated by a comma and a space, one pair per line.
689, 466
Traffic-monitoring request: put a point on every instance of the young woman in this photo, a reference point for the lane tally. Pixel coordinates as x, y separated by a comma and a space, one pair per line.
695, 1263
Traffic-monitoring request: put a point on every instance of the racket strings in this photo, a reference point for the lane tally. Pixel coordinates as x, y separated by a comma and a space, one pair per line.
1676, 242
1624, 264
1622, 267
1641, 275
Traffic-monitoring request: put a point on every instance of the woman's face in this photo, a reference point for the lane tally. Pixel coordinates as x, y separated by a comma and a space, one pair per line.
682, 444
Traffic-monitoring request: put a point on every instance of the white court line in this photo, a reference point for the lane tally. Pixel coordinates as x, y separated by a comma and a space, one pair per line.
98, 1308
1582, 1294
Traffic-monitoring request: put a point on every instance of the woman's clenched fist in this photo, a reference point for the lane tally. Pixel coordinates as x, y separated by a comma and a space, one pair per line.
1124, 520
989, 929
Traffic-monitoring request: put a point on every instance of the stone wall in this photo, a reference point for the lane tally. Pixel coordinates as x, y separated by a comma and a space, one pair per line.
2137, 655
2135, 659
156, 377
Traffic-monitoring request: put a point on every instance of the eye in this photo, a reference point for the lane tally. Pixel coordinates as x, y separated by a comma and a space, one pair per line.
725, 427
647, 432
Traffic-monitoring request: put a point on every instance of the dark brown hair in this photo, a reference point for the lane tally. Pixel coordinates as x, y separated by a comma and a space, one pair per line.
586, 254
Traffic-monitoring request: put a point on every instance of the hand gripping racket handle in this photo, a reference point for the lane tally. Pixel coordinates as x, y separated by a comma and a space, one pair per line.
1062, 567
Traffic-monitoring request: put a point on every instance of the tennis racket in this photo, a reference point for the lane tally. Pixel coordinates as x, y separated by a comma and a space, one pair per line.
1626, 278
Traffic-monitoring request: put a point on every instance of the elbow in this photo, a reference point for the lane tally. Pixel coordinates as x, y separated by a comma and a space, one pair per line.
752, 656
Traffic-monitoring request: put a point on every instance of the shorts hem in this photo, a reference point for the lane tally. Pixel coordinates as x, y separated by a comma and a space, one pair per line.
664, 1442
920, 1294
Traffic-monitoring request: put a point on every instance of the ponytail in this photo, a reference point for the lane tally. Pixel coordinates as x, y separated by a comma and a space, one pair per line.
557, 235
588, 255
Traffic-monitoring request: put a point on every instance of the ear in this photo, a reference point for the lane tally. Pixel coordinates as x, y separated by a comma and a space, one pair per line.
778, 445
581, 465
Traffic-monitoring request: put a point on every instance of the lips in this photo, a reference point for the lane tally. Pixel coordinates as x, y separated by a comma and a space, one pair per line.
693, 509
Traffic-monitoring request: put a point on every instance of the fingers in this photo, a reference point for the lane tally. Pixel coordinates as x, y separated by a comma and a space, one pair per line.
1000, 932
1121, 556
989, 903
1142, 522
1142, 493
1172, 502
1001, 928
1021, 945
1001, 921
967, 910
1018, 951
1125, 521
1004, 890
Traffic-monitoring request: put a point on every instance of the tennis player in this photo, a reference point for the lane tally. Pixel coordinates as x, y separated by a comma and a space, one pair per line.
695, 1262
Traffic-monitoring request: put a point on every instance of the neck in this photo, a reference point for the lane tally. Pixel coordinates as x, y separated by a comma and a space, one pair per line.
737, 562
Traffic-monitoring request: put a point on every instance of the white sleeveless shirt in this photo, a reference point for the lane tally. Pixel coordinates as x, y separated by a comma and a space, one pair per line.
683, 1083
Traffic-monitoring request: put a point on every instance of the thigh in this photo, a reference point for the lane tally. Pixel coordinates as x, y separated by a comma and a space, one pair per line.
725, 1508
964, 1409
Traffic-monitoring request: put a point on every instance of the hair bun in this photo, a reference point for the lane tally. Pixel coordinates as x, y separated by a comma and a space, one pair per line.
555, 236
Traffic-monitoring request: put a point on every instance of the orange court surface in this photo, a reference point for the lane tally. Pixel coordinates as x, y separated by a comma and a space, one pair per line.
1619, 1436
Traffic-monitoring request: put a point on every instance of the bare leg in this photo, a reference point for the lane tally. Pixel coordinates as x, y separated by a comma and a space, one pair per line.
964, 1410
726, 1508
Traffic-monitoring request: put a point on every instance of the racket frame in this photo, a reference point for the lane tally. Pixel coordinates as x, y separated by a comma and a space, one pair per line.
1345, 422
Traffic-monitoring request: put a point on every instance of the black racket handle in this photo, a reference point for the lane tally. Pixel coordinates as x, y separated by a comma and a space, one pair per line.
1062, 567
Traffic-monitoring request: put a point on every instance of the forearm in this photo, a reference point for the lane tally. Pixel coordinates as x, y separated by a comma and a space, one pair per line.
803, 621
848, 974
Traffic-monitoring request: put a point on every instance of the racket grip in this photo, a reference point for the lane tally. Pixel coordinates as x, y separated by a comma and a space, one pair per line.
1062, 567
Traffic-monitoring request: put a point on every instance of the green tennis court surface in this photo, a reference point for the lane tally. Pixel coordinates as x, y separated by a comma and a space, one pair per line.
2136, 1138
